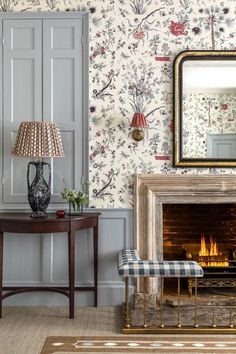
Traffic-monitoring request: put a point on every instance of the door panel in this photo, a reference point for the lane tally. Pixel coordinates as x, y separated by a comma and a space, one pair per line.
62, 35
63, 90
22, 71
62, 96
65, 174
22, 86
22, 37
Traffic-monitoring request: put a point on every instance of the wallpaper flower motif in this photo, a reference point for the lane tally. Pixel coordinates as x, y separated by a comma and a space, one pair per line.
177, 28
132, 47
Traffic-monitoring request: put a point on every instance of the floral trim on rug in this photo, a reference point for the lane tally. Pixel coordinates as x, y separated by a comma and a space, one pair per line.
140, 344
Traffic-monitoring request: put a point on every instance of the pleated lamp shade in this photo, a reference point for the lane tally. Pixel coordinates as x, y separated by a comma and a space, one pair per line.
38, 139
139, 120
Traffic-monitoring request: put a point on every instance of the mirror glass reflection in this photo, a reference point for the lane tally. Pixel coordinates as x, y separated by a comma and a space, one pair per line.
209, 109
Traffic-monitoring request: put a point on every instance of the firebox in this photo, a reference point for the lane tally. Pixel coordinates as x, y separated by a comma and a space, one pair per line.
205, 233
212, 255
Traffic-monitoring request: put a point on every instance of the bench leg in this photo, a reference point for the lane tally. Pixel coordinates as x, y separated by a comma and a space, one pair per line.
214, 314
178, 308
161, 302
190, 287
126, 307
195, 304
230, 319
145, 302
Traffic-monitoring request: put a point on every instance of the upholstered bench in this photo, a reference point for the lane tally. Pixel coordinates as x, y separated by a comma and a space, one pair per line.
130, 265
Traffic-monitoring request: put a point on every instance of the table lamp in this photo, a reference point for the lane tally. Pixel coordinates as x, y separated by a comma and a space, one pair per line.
40, 140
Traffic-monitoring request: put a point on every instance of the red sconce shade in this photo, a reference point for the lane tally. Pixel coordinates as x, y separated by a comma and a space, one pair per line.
139, 120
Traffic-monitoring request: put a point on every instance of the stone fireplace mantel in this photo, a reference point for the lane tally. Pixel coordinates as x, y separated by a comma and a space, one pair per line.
153, 190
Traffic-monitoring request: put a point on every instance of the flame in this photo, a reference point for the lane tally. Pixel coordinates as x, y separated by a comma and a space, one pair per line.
203, 250
213, 253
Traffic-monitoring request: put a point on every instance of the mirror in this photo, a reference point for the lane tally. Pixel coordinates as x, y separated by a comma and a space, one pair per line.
205, 109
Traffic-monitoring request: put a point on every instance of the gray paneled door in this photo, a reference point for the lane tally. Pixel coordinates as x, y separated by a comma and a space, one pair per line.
43, 80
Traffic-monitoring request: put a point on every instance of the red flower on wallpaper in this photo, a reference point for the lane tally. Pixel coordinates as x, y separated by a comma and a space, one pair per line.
159, 58
97, 52
177, 28
224, 106
162, 157
171, 126
138, 35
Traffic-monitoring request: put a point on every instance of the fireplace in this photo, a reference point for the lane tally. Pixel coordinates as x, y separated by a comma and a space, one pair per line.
181, 217
213, 197
205, 233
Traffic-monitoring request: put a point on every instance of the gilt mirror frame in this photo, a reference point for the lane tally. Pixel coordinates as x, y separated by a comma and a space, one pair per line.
179, 160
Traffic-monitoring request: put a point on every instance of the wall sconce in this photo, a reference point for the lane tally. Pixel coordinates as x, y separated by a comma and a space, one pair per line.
138, 122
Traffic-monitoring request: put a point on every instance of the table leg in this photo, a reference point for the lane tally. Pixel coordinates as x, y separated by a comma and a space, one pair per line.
71, 267
95, 259
1, 270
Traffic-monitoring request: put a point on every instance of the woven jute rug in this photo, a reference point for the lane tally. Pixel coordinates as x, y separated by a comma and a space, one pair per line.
141, 344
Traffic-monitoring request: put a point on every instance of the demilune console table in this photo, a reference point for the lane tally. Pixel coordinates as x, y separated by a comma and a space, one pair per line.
23, 223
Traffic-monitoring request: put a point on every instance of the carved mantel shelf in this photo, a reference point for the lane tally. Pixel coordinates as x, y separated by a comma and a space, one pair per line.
154, 190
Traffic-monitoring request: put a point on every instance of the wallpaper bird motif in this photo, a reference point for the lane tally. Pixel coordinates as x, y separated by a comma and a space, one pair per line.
132, 46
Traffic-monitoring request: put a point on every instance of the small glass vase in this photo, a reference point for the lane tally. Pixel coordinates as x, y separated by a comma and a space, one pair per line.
75, 212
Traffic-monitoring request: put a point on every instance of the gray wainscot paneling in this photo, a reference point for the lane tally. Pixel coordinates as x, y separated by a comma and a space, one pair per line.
42, 260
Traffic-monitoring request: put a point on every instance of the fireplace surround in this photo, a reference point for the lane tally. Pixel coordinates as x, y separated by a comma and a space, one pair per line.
152, 191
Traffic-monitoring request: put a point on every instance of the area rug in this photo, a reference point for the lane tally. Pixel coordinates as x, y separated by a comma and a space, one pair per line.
141, 344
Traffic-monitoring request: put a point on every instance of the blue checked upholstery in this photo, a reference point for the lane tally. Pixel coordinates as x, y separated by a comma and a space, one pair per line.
130, 264
126, 256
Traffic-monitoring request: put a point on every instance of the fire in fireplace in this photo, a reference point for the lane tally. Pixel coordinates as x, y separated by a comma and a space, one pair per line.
211, 256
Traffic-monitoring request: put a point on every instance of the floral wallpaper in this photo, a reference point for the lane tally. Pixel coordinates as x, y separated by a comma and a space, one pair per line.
132, 47
204, 114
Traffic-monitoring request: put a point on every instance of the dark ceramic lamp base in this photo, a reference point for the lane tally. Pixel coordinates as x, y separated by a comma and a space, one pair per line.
39, 193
